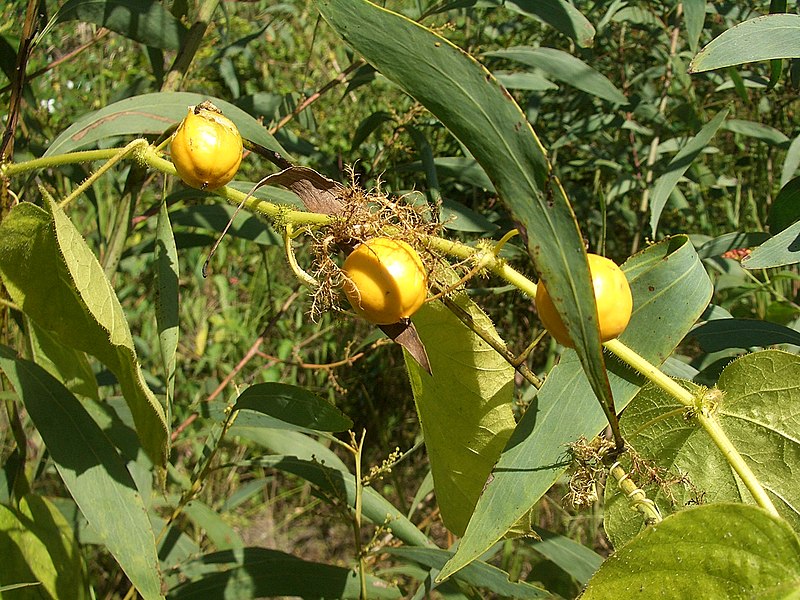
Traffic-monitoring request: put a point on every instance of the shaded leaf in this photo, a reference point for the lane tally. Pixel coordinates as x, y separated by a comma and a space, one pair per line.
564, 67
479, 574
293, 405
260, 572
573, 557
214, 217
341, 485
464, 408
694, 15
92, 470
762, 38
679, 165
220, 533
721, 334
731, 241
785, 209
50, 271
559, 14
758, 131
783, 249
145, 21
167, 289
38, 545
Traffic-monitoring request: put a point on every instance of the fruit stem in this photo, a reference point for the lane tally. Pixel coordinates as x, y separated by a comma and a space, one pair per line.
703, 415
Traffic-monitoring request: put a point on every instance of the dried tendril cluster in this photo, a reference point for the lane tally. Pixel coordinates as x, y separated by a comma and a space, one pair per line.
364, 214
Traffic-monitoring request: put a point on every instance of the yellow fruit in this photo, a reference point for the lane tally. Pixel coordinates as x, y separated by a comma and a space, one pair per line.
386, 280
612, 294
206, 148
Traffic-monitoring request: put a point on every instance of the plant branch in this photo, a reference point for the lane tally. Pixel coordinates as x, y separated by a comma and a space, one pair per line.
703, 415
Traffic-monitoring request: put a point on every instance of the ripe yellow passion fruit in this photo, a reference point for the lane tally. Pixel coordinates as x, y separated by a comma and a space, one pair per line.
386, 280
206, 148
611, 292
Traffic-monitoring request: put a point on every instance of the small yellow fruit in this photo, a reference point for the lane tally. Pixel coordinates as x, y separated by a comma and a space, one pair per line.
206, 148
386, 280
612, 294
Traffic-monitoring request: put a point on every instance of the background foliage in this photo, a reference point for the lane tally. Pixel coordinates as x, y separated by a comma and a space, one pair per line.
170, 433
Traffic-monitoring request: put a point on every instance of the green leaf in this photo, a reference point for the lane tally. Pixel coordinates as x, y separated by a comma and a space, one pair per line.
260, 572
679, 165
731, 241
479, 574
144, 21
167, 290
564, 67
559, 14
214, 217
220, 533
759, 410
571, 556
465, 97
38, 545
762, 38
464, 408
758, 131
785, 209
49, 270
721, 334
341, 485
781, 250
293, 405
92, 470
152, 114
71, 367
671, 289
727, 551
694, 15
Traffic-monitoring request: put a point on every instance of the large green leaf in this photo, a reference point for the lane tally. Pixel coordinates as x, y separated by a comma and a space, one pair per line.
145, 21
759, 409
465, 97
464, 407
152, 114
293, 405
564, 67
730, 551
50, 271
38, 545
92, 470
762, 38
670, 290
263, 573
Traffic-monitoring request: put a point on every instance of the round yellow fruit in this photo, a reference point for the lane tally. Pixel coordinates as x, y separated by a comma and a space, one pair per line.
206, 148
386, 280
611, 292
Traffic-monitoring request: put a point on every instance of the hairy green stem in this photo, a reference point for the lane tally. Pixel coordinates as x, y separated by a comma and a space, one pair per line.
703, 416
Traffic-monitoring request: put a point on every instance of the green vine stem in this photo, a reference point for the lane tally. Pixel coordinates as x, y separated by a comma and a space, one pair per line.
703, 415
297, 218
637, 497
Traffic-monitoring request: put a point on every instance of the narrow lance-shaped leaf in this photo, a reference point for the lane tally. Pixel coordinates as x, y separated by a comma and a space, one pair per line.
166, 257
467, 99
91, 469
